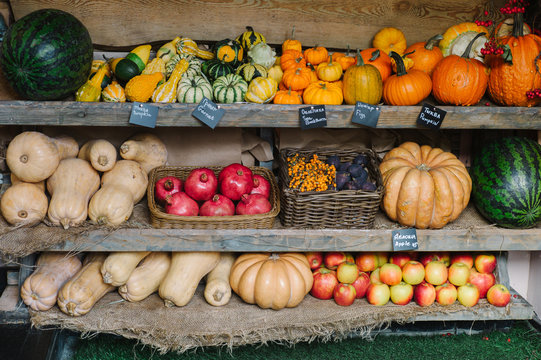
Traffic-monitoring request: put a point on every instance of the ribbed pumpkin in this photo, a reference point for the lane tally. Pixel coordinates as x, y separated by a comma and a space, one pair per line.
362, 82
292, 59
345, 60
113, 93
425, 55
274, 281
379, 59
251, 71
292, 44
390, 39
229, 89
261, 90
323, 93
406, 88
249, 38
329, 71
193, 90
425, 187
215, 68
194, 67
459, 80
297, 78
230, 51
287, 97
316, 55
457, 37
167, 92
509, 82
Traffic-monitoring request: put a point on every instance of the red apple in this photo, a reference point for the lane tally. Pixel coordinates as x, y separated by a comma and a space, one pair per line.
485, 263
424, 294
366, 261
399, 258
350, 257
374, 277
315, 259
445, 257
459, 273
331, 260
344, 294
436, 272
324, 283
347, 272
361, 284
468, 295
401, 294
498, 295
390, 274
462, 258
428, 257
413, 272
483, 282
446, 294
383, 258
378, 294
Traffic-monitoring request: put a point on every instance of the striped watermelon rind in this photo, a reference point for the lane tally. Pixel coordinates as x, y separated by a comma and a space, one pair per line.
506, 179
46, 55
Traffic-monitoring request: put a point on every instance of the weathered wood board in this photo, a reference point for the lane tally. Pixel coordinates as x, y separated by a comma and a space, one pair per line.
334, 24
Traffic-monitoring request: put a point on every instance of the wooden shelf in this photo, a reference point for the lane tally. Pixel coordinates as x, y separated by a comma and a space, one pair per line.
71, 113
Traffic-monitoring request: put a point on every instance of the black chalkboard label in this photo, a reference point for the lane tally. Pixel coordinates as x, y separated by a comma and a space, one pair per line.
405, 239
144, 114
313, 117
208, 112
431, 116
366, 114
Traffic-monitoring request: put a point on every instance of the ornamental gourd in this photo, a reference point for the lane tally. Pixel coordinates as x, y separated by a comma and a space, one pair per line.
141, 87
113, 92
133, 64
425, 187
457, 37
251, 71
272, 281
155, 65
362, 82
189, 47
261, 90
216, 68
390, 39
250, 38
229, 89
425, 55
262, 54
193, 90
406, 88
276, 73
167, 92
460, 80
323, 93
168, 50
91, 90
345, 60
108, 78
229, 51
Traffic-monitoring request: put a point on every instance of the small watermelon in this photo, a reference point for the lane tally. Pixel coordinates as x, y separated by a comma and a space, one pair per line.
46, 55
506, 180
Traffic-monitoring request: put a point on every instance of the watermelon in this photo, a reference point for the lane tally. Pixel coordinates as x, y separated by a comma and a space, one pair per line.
506, 180
46, 55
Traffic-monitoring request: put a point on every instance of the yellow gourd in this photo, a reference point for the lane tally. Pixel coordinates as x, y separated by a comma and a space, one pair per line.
91, 90
276, 73
167, 92
156, 65
189, 47
113, 92
141, 87
261, 90
168, 50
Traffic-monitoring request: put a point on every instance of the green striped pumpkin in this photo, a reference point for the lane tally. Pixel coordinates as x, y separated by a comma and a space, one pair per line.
229, 51
193, 90
251, 71
229, 89
215, 68
46, 55
506, 181
249, 38
194, 68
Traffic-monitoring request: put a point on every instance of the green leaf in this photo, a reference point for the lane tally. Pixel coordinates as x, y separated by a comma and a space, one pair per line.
507, 55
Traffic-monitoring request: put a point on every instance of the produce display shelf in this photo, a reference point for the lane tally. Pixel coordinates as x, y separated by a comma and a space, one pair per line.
71, 113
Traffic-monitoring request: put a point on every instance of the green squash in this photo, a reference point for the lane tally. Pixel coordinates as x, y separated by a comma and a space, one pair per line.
230, 51
215, 68
193, 90
251, 71
229, 89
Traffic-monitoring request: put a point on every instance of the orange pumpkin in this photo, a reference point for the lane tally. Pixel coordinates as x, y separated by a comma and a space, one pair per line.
296, 79
379, 59
425, 55
287, 97
425, 187
329, 71
316, 55
323, 93
406, 88
271, 281
459, 80
282, 87
292, 59
390, 39
292, 44
313, 73
345, 60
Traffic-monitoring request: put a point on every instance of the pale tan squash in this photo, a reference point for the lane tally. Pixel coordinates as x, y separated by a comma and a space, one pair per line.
67, 146
15, 180
146, 149
118, 266
100, 153
40, 290
71, 186
186, 271
147, 277
24, 204
84, 289
217, 289
121, 188
32, 156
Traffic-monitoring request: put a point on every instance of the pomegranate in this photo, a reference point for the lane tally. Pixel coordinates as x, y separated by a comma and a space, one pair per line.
181, 204
261, 186
201, 184
235, 180
166, 186
219, 205
251, 204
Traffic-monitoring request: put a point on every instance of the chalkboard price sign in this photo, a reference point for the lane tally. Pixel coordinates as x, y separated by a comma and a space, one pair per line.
366, 114
312, 117
431, 116
144, 115
405, 239
208, 112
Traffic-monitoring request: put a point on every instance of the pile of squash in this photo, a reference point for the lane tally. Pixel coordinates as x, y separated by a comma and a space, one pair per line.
72, 178
269, 280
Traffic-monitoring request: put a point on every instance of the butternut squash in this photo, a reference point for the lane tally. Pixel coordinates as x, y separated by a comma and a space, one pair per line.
118, 266
24, 204
121, 188
15, 180
186, 271
71, 186
147, 149
67, 146
84, 289
146, 277
100, 153
53, 269
32, 156
217, 289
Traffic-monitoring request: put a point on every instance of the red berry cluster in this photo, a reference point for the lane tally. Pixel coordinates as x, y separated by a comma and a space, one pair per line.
483, 23
514, 6
491, 47
533, 94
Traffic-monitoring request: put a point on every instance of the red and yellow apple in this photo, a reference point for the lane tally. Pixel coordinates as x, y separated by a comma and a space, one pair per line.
483, 281
498, 295
401, 294
459, 273
462, 258
344, 294
361, 284
413, 272
332, 259
424, 294
485, 263
374, 277
446, 294
347, 272
399, 258
425, 258
468, 295
378, 294
383, 258
366, 261
436, 272
315, 259
390, 274
325, 281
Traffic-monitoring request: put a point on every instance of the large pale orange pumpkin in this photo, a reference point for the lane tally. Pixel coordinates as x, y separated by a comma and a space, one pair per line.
271, 281
425, 187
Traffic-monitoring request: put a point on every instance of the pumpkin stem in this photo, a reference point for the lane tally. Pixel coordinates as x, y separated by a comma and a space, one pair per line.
289, 91
348, 51
360, 60
466, 54
432, 41
274, 256
518, 24
423, 167
400, 67
293, 32
375, 55
249, 28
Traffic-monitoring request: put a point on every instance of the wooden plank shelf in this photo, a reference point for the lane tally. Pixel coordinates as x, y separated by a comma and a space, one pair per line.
71, 113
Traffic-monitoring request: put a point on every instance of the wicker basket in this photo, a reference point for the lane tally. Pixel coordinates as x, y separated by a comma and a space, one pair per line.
160, 219
331, 208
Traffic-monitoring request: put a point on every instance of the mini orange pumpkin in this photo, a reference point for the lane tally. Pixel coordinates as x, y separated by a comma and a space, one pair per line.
292, 59
425, 55
297, 79
390, 39
406, 88
323, 93
316, 55
287, 97
329, 71
292, 44
379, 59
345, 60
282, 87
